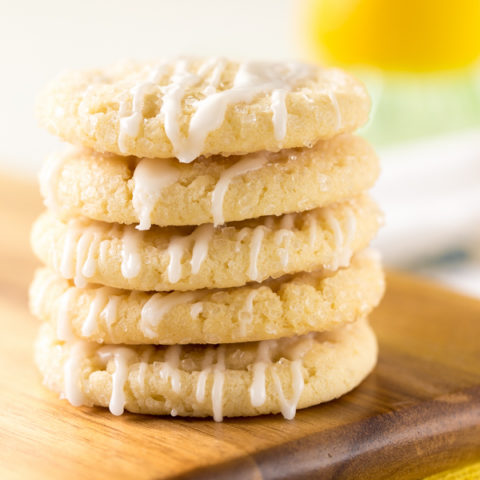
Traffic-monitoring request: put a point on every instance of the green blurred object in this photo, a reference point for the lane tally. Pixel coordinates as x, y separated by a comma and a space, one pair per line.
420, 61
413, 106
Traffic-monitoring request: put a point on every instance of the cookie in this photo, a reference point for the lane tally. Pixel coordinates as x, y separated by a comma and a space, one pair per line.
190, 258
318, 301
189, 107
210, 190
221, 381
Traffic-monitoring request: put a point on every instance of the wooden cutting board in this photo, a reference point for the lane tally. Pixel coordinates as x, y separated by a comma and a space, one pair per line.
417, 414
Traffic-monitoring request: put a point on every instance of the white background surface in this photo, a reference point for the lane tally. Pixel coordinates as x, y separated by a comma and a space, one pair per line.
430, 193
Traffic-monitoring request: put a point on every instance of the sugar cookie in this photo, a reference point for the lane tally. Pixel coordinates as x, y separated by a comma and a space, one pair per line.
302, 303
221, 381
188, 107
190, 258
217, 190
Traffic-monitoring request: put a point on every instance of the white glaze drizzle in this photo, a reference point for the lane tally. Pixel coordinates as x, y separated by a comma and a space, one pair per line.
150, 177
297, 347
289, 406
209, 64
195, 310
218, 66
142, 368
80, 243
257, 239
336, 107
294, 348
69, 243
64, 329
172, 107
251, 79
334, 225
90, 265
202, 376
248, 164
158, 305
175, 251
49, 177
257, 389
170, 368
97, 305
110, 313
113, 232
122, 357
284, 236
343, 251
201, 237
218, 381
131, 260
85, 265
280, 114
72, 373
130, 124
240, 237
245, 313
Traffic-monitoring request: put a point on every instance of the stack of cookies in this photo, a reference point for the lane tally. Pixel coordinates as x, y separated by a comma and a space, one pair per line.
204, 243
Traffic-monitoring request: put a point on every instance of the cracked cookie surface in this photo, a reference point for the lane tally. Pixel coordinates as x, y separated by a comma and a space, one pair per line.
164, 192
191, 258
318, 301
243, 379
186, 108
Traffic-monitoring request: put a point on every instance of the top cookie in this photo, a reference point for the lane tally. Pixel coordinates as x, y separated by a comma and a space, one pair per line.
189, 107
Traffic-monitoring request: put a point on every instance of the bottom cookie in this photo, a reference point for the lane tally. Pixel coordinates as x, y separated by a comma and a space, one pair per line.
232, 380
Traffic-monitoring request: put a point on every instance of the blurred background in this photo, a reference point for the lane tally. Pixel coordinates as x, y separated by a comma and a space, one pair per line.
419, 59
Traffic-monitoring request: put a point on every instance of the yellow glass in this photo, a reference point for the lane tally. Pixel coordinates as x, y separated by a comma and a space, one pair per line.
398, 35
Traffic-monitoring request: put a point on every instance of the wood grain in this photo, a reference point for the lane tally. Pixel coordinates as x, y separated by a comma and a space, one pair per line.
417, 414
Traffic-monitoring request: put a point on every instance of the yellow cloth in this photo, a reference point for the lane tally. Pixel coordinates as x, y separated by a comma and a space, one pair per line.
472, 472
